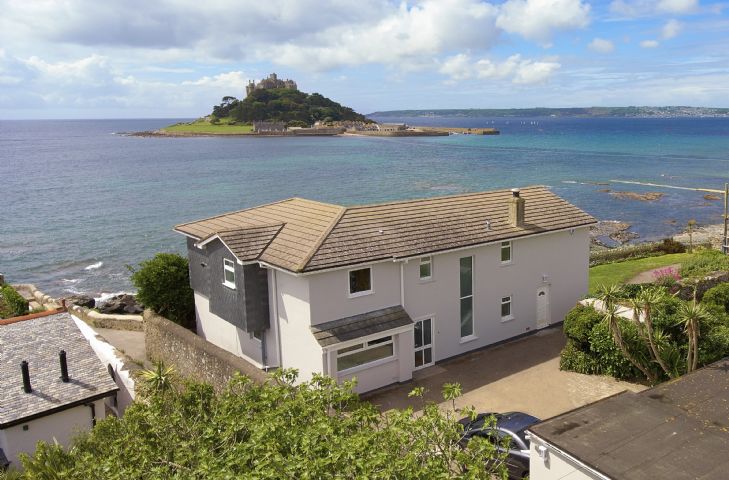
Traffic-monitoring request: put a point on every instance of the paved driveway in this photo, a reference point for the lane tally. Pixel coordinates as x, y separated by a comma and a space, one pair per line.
521, 375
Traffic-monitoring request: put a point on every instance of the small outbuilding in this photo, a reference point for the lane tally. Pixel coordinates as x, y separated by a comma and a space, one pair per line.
52, 385
677, 430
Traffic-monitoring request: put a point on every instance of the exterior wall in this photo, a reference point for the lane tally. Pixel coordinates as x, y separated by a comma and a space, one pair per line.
61, 427
562, 257
556, 466
225, 334
298, 347
330, 299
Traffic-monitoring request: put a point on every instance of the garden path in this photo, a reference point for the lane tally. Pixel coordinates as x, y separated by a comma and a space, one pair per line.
648, 275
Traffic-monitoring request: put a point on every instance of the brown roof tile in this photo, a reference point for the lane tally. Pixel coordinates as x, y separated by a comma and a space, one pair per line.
315, 236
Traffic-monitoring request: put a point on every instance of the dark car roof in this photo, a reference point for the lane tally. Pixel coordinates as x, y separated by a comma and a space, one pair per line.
512, 421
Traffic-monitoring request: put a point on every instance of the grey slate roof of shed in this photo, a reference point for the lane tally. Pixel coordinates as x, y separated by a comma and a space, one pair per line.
316, 236
38, 341
358, 326
677, 430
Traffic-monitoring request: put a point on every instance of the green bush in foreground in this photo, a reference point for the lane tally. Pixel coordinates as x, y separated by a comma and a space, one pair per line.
316, 430
578, 324
718, 296
12, 304
163, 284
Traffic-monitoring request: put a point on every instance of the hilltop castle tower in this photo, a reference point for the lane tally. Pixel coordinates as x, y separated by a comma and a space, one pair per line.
271, 82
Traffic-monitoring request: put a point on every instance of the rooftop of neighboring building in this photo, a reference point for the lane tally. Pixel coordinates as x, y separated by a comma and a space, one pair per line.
677, 430
39, 342
306, 235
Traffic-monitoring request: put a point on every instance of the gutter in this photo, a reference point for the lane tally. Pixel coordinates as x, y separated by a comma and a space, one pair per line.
575, 462
35, 416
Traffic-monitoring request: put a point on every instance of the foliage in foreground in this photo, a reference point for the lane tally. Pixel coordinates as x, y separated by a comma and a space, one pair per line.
163, 284
278, 430
12, 304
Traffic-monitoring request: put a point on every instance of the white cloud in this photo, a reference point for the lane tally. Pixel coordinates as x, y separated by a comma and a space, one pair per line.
537, 19
649, 44
520, 71
601, 45
638, 8
671, 29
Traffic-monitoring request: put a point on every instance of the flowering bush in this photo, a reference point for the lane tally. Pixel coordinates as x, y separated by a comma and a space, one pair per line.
666, 277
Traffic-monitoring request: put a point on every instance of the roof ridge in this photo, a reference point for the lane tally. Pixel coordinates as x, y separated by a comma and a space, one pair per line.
315, 248
442, 197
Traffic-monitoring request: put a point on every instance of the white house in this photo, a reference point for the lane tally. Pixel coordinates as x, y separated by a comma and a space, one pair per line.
378, 291
52, 385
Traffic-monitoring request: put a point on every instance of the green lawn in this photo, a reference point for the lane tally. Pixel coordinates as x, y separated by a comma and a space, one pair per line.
205, 127
621, 272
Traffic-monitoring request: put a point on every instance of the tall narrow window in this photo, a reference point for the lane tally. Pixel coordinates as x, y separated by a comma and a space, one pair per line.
506, 307
426, 268
228, 273
505, 252
466, 296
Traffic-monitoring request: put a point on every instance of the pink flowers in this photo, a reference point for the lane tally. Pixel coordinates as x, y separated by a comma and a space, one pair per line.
666, 277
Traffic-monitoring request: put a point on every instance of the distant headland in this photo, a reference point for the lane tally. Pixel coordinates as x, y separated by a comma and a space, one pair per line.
584, 112
276, 107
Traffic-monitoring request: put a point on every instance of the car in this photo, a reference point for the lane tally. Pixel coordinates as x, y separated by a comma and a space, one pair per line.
508, 427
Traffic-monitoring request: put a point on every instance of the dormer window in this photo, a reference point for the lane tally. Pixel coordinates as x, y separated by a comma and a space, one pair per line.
360, 282
228, 273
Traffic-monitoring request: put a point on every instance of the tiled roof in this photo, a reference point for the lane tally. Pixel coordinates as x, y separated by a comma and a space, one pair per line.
359, 326
317, 236
677, 430
248, 244
39, 341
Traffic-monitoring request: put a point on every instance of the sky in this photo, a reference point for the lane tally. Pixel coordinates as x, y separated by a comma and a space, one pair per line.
177, 58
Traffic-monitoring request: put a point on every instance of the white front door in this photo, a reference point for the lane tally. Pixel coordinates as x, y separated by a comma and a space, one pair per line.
543, 319
423, 343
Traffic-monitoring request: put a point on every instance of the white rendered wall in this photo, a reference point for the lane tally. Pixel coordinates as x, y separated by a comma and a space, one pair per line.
61, 427
226, 335
329, 293
299, 348
562, 257
555, 466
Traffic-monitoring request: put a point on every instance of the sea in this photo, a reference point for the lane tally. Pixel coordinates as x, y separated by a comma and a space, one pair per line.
81, 203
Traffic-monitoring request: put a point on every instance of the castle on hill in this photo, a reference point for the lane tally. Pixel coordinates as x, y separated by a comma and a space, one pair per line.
271, 82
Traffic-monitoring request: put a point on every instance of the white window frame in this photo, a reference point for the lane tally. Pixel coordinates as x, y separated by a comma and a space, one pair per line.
423, 261
432, 340
472, 335
506, 245
363, 292
364, 346
510, 302
228, 266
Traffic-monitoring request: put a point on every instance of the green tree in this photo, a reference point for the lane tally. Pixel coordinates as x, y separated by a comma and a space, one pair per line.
315, 430
692, 315
163, 284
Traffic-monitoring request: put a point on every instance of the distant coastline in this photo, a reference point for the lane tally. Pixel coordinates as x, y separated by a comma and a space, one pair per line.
576, 112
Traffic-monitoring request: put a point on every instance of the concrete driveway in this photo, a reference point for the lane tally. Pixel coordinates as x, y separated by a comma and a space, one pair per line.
522, 375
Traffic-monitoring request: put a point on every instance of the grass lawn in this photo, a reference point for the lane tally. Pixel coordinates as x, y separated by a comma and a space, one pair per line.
621, 272
205, 127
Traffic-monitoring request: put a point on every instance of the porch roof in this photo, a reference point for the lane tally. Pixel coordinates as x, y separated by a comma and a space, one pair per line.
362, 325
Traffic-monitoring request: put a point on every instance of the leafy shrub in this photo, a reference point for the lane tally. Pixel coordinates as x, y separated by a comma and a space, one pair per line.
163, 284
666, 277
631, 290
12, 304
714, 345
704, 262
718, 295
618, 254
608, 359
669, 245
574, 359
578, 324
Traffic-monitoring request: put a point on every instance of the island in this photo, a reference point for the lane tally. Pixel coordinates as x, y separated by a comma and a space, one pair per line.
276, 107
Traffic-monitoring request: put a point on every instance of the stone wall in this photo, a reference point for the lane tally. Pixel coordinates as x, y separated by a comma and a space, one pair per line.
710, 281
192, 356
105, 320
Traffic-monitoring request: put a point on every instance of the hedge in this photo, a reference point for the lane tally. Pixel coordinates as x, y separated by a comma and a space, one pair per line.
12, 304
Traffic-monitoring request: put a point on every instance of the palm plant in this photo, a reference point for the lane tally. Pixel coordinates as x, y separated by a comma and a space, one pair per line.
609, 296
692, 314
158, 379
650, 299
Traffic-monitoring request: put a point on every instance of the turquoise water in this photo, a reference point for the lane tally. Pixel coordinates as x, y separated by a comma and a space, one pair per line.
80, 201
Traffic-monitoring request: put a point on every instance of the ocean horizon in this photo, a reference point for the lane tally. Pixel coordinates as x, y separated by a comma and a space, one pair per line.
81, 201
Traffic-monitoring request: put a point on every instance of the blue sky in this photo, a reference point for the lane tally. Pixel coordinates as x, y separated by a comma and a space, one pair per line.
165, 58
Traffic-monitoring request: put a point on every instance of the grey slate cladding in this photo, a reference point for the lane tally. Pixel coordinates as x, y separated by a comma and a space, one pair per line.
358, 326
246, 306
677, 430
39, 341
199, 266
